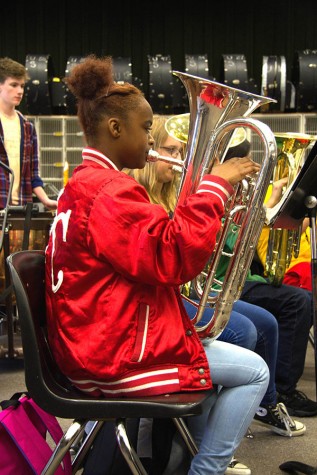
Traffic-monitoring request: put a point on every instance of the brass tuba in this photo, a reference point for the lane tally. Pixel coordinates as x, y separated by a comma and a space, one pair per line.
216, 111
283, 244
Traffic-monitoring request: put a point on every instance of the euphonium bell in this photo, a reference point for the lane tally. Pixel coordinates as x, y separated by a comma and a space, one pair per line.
216, 111
283, 244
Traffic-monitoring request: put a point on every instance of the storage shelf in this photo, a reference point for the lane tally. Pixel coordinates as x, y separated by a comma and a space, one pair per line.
58, 137
61, 136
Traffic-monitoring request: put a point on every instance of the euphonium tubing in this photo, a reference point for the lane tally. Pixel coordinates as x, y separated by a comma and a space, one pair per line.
216, 111
283, 244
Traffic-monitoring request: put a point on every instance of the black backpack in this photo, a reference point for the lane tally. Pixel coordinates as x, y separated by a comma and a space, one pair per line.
169, 453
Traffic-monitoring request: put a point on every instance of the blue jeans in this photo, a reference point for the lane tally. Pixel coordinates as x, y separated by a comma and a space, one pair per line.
239, 330
243, 376
251, 327
267, 341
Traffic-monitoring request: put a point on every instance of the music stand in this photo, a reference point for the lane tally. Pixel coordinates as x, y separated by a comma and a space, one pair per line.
301, 202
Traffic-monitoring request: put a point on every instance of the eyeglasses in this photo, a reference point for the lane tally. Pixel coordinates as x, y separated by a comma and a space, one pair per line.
172, 151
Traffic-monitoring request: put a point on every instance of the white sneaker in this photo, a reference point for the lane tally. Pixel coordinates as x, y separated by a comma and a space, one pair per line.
237, 468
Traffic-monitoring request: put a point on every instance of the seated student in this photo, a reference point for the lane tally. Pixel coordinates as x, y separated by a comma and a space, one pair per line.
114, 264
160, 180
299, 272
292, 308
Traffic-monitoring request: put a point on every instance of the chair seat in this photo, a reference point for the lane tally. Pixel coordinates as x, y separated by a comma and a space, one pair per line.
73, 404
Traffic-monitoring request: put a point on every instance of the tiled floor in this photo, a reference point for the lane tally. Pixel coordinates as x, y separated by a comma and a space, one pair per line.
263, 454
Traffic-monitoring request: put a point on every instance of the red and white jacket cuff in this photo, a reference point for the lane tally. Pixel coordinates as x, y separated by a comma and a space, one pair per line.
216, 186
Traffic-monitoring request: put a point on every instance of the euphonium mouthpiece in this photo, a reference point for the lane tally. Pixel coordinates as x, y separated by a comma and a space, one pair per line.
154, 156
177, 169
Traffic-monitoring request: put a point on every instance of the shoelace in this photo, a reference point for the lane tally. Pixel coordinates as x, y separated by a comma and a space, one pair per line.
234, 462
299, 395
281, 412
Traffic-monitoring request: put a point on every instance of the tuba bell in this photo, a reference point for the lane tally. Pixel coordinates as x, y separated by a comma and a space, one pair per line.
283, 244
216, 110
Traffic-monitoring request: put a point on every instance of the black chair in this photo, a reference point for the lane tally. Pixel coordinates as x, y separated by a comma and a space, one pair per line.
52, 391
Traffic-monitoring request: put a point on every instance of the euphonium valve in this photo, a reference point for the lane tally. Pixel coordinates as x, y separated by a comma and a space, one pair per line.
216, 110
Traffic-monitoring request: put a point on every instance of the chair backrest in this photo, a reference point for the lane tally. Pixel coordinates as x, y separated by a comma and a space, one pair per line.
27, 270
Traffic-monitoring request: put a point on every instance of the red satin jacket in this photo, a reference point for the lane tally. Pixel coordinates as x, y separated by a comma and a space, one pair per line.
114, 263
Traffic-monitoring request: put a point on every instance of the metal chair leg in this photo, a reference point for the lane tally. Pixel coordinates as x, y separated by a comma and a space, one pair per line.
74, 431
127, 450
311, 337
187, 437
80, 455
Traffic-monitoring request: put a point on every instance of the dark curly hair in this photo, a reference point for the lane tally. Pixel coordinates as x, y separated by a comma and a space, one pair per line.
98, 95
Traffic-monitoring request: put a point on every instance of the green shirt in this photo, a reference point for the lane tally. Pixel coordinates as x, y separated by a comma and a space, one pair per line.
223, 263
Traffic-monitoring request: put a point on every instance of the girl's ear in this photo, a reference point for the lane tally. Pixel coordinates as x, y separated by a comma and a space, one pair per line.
114, 127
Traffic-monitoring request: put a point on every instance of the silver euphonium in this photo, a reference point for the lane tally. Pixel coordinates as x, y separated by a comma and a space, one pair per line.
216, 110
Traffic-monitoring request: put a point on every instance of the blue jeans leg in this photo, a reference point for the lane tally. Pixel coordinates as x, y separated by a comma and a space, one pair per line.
243, 377
238, 331
267, 341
